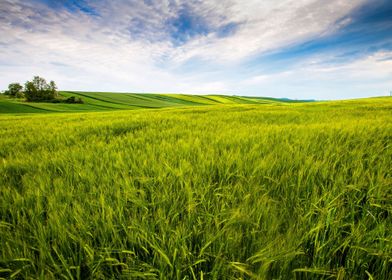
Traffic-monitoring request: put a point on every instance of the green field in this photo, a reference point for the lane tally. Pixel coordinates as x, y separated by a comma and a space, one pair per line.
267, 190
109, 101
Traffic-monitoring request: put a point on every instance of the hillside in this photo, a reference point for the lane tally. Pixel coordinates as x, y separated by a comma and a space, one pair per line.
107, 101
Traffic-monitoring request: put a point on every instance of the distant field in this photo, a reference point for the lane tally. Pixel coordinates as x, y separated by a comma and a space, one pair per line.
107, 101
229, 191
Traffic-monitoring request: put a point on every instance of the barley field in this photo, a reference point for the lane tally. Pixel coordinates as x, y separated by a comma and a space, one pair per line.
231, 191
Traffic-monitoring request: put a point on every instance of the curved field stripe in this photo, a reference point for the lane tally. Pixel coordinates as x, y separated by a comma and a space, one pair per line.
188, 99
222, 99
167, 99
143, 99
236, 99
115, 98
37, 107
99, 99
13, 107
100, 103
156, 102
210, 99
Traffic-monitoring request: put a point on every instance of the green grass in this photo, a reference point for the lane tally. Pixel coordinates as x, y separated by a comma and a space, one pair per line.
273, 191
108, 101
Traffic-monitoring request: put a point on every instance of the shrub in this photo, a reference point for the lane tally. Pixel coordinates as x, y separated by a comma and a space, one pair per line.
74, 100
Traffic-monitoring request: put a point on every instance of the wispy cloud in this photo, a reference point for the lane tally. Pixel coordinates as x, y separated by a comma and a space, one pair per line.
314, 80
232, 46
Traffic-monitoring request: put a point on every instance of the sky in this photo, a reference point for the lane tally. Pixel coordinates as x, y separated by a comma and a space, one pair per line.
298, 49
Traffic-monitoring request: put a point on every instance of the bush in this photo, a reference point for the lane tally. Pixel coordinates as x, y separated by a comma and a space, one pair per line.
56, 101
74, 100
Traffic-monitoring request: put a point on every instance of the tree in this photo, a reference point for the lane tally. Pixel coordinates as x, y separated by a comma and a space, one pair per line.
39, 90
52, 90
14, 90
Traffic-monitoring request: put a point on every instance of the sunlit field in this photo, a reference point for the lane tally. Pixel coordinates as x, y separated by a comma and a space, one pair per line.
109, 101
231, 191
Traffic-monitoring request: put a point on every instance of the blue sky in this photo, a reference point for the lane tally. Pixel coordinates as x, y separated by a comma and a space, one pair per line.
300, 49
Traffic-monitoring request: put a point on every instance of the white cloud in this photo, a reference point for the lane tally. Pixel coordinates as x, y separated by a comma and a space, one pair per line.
267, 25
368, 76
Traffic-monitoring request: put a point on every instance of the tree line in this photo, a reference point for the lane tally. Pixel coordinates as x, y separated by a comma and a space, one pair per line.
38, 90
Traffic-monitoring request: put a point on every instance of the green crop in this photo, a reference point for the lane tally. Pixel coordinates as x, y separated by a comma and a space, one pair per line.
109, 101
254, 191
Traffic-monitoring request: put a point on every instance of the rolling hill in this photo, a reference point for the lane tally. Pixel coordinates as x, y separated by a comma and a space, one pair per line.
107, 101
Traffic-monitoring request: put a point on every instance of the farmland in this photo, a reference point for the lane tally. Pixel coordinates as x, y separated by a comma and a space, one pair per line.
238, 188
109, 101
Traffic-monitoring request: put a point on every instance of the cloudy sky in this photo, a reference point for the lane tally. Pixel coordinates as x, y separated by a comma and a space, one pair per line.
303, 49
